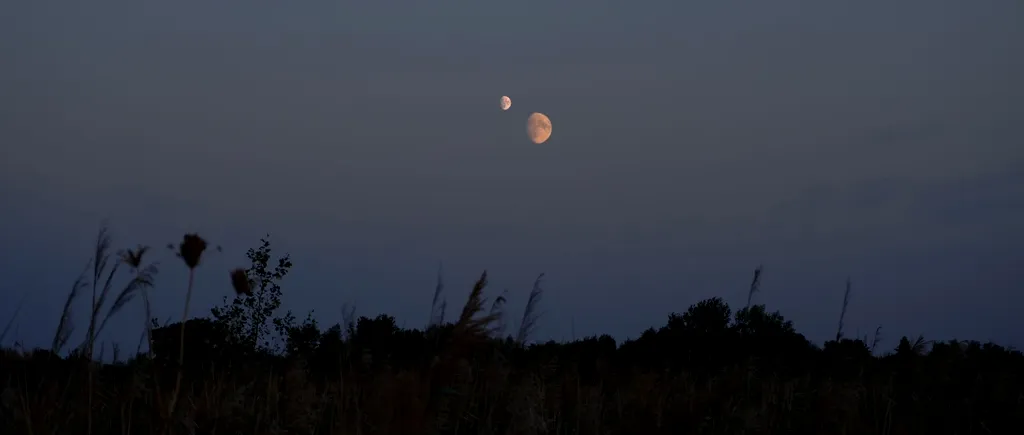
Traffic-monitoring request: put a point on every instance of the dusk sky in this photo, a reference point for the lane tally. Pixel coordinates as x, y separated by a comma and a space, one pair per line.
877, 140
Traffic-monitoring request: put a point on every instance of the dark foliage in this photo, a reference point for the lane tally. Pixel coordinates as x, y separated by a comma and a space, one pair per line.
707, 370
702, 370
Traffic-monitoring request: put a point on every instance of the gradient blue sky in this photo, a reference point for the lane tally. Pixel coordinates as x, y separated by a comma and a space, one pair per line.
881, 140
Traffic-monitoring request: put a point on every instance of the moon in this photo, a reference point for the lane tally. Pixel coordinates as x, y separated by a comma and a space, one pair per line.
538, 127
505, 102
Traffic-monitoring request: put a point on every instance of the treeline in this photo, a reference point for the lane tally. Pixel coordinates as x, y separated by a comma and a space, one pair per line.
251, 368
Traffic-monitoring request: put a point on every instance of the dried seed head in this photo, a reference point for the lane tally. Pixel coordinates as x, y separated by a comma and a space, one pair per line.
133, 258
191, 249
240, 282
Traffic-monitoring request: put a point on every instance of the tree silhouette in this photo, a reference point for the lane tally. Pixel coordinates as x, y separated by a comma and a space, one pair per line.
710, 316
249, 317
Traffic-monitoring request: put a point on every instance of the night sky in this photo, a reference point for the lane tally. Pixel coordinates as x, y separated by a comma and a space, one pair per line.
877, 140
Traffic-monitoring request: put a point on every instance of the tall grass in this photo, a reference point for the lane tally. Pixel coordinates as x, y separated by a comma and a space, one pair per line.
755, 285
66, 325
463, 378
842, 313
437, 304
530, 314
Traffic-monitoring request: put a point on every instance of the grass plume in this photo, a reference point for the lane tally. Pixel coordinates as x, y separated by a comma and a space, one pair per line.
530, 314
437, 305
755, 285
470, 324
842, 313
877, 338
498, 312
139, 284
65, 326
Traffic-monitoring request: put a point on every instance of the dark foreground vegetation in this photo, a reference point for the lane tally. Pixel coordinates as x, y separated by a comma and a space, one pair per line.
250, 368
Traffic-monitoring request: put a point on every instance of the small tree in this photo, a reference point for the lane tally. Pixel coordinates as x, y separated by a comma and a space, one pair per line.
248, 317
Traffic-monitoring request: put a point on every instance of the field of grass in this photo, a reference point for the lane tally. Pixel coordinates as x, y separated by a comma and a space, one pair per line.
252, 368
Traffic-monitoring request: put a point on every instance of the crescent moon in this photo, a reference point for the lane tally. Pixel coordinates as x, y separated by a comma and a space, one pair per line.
505, 102
538, 127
